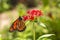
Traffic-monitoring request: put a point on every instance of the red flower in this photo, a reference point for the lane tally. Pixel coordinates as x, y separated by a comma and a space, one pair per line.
34, 12
31, 17
25, 18
39, 13
31, 12
28, 18
28, 12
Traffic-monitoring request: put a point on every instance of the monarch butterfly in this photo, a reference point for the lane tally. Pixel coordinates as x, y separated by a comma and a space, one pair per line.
18, 25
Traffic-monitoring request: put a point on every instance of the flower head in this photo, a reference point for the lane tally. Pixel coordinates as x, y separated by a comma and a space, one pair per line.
31, 17
28, 18
25, 18
34, 12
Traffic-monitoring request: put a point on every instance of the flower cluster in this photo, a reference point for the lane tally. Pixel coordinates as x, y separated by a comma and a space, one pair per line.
32, 14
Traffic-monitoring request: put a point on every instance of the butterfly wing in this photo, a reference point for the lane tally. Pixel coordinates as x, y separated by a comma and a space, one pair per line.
13, 26
21, 26
11, 29
18, 24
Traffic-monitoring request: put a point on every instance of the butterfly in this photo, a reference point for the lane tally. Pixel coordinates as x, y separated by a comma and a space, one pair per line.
18, 25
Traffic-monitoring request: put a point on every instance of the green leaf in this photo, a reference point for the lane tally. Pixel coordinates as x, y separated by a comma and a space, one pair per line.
45, 36
43, 25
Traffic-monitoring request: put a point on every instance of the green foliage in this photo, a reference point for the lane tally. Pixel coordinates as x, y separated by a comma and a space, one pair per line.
45, 29
45, 2
45, 37
21, 9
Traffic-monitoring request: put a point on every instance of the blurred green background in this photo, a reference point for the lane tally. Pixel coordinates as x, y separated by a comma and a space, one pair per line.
49, 24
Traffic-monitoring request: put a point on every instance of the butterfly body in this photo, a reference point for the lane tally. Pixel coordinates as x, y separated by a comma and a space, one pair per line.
18, 25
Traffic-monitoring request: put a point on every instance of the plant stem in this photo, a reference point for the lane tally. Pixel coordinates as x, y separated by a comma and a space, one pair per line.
33, 32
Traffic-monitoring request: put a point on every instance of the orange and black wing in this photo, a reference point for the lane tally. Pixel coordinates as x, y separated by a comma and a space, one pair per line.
14, 26
11, 29
21, 26
18, 24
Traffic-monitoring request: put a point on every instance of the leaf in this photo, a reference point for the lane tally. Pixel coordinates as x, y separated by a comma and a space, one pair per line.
27, 22
45, 36
43, 25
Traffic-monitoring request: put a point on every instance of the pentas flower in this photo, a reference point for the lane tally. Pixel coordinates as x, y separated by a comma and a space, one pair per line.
34, 12
31, 17
25, 18
28, 18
